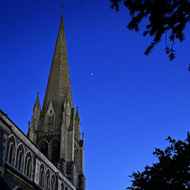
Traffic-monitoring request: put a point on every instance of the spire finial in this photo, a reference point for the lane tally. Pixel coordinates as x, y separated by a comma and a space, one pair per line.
62, 9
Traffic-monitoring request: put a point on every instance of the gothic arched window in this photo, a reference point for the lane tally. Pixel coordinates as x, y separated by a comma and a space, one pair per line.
43, 147
42, 175
55, 150
53, 182
20, 157
28, 165
11, 151
47, 180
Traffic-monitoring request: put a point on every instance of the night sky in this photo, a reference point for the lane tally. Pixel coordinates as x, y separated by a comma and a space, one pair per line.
129, 103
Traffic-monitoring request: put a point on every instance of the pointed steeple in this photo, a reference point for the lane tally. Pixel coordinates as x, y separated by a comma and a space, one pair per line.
56, 128
58, 86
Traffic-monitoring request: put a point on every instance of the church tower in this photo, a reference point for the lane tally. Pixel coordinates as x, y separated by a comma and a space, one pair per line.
55, 128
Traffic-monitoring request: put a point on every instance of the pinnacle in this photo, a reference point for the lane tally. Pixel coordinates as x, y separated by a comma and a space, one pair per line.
77, 112
37, 102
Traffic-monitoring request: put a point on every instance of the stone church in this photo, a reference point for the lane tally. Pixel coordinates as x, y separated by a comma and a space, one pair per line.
51, 156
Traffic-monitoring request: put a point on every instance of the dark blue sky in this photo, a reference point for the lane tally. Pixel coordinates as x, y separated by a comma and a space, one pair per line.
130, 104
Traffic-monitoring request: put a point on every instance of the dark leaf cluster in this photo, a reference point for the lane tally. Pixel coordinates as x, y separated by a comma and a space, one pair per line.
166, 18
171, 172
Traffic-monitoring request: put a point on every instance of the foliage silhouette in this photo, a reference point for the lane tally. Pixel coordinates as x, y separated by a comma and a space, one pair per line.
172, 172
166, 18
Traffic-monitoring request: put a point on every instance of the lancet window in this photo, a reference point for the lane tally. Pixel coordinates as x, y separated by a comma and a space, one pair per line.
42, 175
20, 157
11, 151
47, 180
53, 182
28, 164
55, 151
43, 147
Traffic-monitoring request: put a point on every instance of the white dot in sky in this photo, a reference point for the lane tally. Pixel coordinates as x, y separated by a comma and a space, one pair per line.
91, 74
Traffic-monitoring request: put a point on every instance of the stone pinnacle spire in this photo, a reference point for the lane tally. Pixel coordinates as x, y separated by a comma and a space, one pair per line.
58, 87
37, 103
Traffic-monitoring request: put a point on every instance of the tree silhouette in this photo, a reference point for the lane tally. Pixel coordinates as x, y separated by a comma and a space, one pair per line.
166, 18
172, 172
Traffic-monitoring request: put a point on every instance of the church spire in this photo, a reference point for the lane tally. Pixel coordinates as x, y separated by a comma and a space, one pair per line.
55, 129
58, 87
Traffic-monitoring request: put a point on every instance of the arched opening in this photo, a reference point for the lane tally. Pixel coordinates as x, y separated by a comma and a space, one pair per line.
53, 182
41, 176
43, 147
28, 164
20, 157
11, 150
66, 188
47, 180
55, 150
